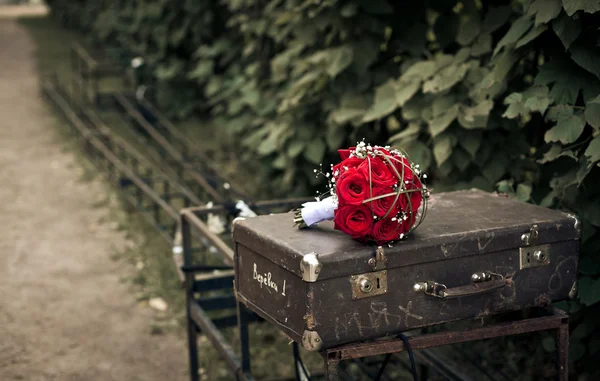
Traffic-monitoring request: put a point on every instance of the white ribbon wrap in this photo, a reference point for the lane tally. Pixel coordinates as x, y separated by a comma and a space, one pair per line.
318, 211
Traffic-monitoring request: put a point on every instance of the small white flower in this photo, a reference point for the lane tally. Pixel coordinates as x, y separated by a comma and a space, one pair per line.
424, 176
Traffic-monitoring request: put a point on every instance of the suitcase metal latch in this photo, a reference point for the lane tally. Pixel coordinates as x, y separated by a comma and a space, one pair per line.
369, 284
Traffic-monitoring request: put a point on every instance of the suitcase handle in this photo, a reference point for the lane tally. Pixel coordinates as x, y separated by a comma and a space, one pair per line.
482, 283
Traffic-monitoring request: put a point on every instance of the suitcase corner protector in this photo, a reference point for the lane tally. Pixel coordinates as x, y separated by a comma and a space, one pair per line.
310, 267
311, 341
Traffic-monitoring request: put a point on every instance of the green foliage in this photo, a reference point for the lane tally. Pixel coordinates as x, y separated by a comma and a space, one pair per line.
487, 94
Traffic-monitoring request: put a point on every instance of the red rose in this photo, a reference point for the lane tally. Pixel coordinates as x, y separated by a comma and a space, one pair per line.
345, 153
387, 230
377, 172
351, 162
351, 187
382, 205
402, 164
355, 220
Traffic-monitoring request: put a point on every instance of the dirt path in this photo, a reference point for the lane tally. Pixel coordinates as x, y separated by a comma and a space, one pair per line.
64, 314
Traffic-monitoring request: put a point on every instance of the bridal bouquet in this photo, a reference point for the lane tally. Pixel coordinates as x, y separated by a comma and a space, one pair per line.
375, 194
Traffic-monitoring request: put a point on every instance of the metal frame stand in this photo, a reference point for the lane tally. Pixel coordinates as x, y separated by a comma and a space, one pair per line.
556, 320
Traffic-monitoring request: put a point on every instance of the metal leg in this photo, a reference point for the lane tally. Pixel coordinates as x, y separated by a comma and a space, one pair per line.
189, 286
242, 313
296, 351
332, 369
562, 341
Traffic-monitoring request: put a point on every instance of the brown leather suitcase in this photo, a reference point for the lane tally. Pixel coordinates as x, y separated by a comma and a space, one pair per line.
475, 254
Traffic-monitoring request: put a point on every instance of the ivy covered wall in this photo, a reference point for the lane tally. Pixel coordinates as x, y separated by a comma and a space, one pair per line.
492, 94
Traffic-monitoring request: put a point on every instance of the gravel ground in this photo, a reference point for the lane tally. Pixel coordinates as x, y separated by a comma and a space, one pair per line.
65, 314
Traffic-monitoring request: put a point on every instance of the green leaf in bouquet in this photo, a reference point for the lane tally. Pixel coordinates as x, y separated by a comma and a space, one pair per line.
567, 29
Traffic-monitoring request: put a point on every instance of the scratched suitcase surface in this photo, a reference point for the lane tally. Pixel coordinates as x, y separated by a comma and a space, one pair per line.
475, 254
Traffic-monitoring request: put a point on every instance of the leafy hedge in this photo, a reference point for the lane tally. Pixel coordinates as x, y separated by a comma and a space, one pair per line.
489, 94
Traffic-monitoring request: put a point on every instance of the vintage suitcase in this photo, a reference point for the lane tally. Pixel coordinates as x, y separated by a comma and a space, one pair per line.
475, 254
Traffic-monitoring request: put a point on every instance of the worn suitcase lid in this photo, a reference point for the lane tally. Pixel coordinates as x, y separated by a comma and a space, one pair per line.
458, 224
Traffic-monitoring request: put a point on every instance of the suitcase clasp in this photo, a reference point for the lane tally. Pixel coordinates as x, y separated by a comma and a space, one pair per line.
529, 239
380, 261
